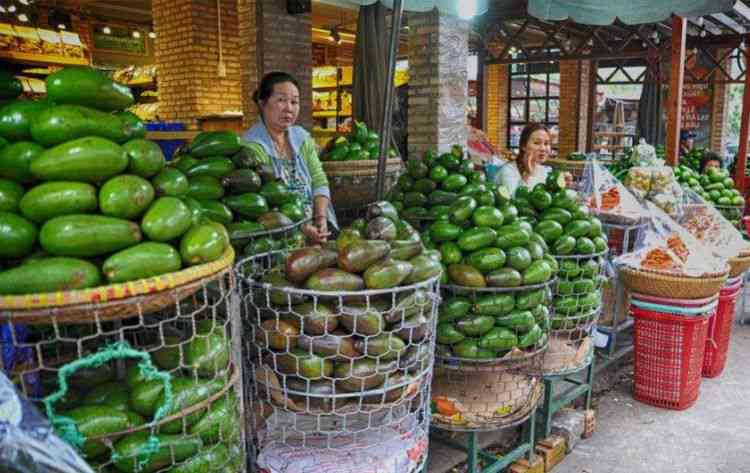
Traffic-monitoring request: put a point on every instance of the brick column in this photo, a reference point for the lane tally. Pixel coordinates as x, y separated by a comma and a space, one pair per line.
248, 26
187, 58
569, 106
585, 71
495, 94
438, 48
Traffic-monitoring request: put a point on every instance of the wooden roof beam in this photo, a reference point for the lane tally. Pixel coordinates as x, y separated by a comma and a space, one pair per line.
728, 23
702, 24
742, 10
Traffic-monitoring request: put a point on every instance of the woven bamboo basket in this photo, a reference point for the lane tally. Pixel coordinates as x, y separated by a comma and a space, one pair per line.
232, 379
567, 355
117, 301
352, 183
739, 264
662, 285
484, 398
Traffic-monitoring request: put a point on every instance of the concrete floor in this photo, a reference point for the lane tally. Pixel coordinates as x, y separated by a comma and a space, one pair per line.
713, 436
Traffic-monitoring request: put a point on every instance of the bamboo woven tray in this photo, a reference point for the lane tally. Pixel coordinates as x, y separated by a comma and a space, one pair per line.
662, 285
367, 167
117, 301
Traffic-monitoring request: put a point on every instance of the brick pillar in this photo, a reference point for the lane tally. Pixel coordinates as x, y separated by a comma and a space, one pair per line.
187, 58
569, 107
248, 26
583, 104
495, 94
438, 87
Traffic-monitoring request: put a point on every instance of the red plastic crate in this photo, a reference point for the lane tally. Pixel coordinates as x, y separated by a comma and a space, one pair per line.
668, 358
720, 332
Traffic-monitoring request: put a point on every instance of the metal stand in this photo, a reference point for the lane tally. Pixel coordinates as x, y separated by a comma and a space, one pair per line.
495, 464
742, 317
620, 322
581, 383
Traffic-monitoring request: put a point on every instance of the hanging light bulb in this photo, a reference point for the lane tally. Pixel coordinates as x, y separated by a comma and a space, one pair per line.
24, 2
703, 33
11, 8
107, 30
23, 18
136, 34
2, 9
152, 34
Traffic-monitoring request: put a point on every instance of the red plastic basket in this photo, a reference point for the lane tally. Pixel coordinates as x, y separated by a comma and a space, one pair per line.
720, 332
668, 358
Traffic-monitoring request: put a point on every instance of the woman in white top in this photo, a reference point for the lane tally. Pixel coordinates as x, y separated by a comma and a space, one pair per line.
528, 169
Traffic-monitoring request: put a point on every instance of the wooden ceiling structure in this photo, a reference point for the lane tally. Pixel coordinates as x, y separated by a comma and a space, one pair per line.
507, 34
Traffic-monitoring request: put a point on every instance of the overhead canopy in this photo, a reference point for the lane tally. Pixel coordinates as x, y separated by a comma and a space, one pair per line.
465, 8
631, 12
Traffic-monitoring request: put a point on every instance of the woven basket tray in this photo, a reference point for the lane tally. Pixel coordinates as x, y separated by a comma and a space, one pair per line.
234, 376
363, 168
485, 398
117, 301
656, 284
738, 265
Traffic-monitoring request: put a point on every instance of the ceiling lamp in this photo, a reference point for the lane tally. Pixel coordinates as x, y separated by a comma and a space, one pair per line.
152, 34
23, 18
136, 34
107, 30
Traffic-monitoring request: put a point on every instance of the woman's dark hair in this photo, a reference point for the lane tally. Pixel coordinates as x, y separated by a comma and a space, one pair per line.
522, 162
707, 157
265, 88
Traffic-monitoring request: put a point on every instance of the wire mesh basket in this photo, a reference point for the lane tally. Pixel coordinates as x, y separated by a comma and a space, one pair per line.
330, 370
283, 238
577, 306
577, 293
161, 390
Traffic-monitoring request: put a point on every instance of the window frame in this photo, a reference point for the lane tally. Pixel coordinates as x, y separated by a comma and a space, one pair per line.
529, 70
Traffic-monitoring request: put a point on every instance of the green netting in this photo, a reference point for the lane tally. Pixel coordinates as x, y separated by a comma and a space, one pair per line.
66, 427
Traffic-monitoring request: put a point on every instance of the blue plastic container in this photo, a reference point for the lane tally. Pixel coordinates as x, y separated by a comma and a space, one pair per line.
168, 147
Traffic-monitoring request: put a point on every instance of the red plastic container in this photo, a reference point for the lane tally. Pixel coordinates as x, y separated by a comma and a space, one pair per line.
720, 331
668, 358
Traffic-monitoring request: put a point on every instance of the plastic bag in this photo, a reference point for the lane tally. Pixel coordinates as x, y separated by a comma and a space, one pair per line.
666, 247
707, 224
645, 155
27, 441
608, 198
658, 185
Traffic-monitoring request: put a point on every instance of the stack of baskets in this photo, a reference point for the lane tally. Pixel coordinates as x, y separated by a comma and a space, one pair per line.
672, 318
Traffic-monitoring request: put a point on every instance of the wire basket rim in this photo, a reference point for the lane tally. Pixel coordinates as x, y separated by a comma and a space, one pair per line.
581, 256
265, 233
445, 361
530, 287
427, 283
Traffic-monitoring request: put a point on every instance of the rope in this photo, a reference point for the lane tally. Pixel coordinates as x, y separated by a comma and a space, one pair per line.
67, 428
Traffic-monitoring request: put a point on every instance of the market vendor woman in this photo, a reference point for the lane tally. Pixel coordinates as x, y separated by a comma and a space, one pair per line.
291, 150
528, 168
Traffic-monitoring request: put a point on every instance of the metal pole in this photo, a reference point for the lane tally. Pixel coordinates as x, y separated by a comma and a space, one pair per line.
385, 124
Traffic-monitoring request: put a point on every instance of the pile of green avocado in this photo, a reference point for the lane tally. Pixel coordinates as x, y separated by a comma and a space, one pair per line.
100, 405
229, 184
85, 200
359, 145
431, 184
351, 343
577, 239
716, 187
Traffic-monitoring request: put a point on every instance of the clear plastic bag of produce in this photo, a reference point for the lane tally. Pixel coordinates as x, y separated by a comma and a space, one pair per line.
667, 247
707, 224
644, 154
607, 197
656, 184
28, 443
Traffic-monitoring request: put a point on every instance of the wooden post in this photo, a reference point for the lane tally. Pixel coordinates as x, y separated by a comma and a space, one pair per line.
739, 176
674, 102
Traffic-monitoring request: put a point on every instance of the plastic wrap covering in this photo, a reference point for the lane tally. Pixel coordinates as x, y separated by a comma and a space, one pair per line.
27, 441
706, 223
666, 247
645, 155
608, 198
